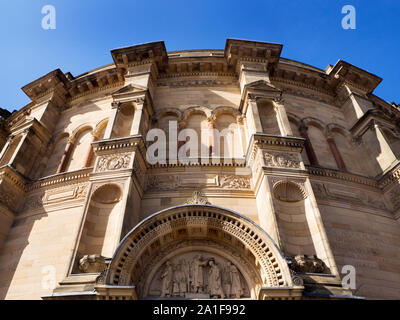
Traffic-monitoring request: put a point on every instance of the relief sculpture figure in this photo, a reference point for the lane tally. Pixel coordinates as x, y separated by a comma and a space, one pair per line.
166, 278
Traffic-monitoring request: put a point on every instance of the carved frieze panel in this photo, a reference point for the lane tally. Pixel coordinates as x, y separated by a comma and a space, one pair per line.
172, 182
325, 191
111, 162
281, 159
58, 195
198, 275
9, 197
394, 196
234, 182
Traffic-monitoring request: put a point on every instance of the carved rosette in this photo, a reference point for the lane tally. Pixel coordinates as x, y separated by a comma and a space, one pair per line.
114, 162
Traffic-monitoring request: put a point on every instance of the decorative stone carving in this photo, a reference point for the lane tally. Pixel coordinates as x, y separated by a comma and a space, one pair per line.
215, 280
167, 278
308, 263
394, 196
93, 263
163, 182
197, 198
324, 191
297, 280
281, 160
107, 194
234, 182
192, 276
33, 202
289, 191
172, 182
114, 162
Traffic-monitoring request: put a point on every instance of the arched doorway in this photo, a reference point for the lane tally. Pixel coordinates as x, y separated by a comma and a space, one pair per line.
197, 251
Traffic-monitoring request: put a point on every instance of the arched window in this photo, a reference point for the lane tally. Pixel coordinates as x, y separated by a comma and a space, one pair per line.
321, 146
123, 123
79, 154
56, 156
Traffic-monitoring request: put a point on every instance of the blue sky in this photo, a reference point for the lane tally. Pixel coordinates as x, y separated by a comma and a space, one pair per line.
86, 31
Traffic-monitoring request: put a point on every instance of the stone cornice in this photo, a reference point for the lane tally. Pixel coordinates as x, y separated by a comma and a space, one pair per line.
65, 178
154, 52
253, 51
118, 145
135, 94
8, 172
33, 124
202, 162
267, 141
258, 90
346, 73
393, 175
55, 80
336, 174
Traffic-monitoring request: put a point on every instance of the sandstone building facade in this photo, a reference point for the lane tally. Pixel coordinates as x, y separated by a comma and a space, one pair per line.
313, 183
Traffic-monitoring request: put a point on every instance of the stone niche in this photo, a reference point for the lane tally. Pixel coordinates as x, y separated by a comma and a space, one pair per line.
198, 275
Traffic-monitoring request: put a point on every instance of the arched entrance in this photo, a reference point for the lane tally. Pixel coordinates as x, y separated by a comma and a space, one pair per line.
197, 251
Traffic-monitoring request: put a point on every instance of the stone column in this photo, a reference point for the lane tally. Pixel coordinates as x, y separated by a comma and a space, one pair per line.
266, 209
112, 120
67, 153
308, 146
253, 117
181, 126
137, 118
241, 134
336, 153
283, 121
5, 148
90, 152
18, 148
211, 138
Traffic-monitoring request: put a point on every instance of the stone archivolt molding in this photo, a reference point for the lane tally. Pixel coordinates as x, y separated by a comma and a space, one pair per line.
197, 222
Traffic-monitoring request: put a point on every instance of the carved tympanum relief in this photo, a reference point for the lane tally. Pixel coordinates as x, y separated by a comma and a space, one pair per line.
198, 275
